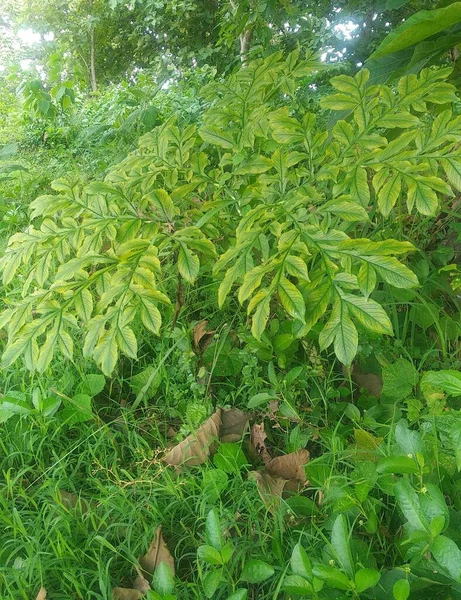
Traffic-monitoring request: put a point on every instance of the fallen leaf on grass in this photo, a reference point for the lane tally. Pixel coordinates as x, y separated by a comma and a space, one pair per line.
370, 382
41, 594
196, 447
126, 594
269, 488
156, 554
141, 584
233, 424
290, 466
71, 501
257, 443
198, 333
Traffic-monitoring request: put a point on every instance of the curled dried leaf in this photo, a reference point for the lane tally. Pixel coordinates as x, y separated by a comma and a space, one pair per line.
141, 584
196, 447
370, 382
233, 424
269, 488
201, 336
71, 501
290, 466
41, 594
258, 446
156, 554
126, 594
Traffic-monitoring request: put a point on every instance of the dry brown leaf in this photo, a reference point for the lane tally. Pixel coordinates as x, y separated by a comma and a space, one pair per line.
233, 424
71, 501
141, 584
272, 409
290, 466
269, 488
156, 553
257, 443
126, 594
198, 333
370, 382
196, 447
41, 594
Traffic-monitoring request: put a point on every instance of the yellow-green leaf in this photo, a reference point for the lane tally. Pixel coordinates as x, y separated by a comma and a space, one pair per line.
291, 299
188, 264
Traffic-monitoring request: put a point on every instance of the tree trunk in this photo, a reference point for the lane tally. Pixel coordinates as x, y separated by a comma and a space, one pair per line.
94, 86
245, 41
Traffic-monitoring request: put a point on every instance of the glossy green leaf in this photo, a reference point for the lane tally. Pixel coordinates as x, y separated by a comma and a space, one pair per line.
256, 571
401, 590
341, 545
366, 579
448, 555
213, 529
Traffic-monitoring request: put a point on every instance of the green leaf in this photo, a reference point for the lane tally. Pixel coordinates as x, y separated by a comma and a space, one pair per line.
254, 165
99, 187
291, 299
297, 585
332, 577
285, 129
401, 589
251, 282
211, 582
317, 302
366, 579
188, 264
127, 342
407, 500
256, 571
106, 353
238, 595
163, 579
448, 555
392, 271
359, 188
300, 563
161, 200
209, 555
397, 464
79, 411
399, 379
346, 210
409, 442
418, 27
400, 120
455, 438
389, 194
341, 546
216, 136
92, 384
150, 316
448, 381
366, 278
423, 196
149, 380
368, 313
260, 317
296, 267
213, 530
261, 398
346, 340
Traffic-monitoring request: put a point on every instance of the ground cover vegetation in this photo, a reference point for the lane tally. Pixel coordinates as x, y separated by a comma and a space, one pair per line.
230, 307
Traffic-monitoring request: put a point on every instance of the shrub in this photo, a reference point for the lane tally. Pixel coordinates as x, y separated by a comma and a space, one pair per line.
273, 206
